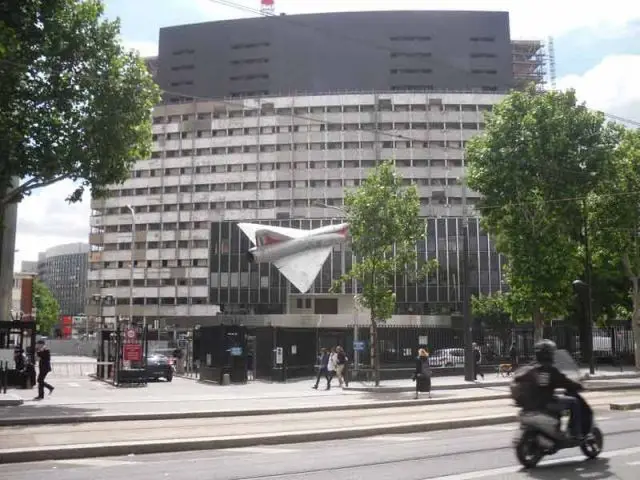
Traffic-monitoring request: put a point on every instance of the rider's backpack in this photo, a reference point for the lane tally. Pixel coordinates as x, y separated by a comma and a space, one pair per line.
524, 387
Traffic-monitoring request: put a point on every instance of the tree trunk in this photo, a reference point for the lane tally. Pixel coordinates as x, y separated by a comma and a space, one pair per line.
8, 218
538, 325
375, 360
635, 321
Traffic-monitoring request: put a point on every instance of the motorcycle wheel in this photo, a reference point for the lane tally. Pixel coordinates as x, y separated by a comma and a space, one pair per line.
528, 451
592, 445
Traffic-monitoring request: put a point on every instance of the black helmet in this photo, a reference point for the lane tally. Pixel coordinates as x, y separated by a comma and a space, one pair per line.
545, 351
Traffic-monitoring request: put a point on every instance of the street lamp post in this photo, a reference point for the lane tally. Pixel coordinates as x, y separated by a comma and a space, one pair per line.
469, 363
133, 243
588, 331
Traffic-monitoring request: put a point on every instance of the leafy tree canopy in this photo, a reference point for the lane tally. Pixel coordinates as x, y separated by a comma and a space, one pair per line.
495, 312
75, 104
47, 307
615, 216
540, 154
385, 225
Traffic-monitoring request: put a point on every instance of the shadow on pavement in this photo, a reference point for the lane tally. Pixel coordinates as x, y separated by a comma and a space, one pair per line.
588, 469
38, 410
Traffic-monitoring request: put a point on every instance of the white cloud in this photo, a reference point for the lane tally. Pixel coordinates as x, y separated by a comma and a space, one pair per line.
145, 49
610, 86
45, 220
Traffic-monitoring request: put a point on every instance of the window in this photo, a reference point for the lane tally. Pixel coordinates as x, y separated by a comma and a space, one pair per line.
483, 55
482, 39
410, 39
178, 68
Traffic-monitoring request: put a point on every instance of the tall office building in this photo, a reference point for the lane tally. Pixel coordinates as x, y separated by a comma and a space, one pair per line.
63, 269
279, 155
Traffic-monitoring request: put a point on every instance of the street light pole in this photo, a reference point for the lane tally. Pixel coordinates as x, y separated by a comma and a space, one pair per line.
133, 243
587, 268
466, 292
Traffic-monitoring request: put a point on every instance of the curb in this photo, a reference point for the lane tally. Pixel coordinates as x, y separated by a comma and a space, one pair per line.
67, 452
10, 401
625, 406
486, 385
71, 419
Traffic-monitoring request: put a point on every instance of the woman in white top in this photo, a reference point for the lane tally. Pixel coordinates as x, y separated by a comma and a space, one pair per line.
332, 367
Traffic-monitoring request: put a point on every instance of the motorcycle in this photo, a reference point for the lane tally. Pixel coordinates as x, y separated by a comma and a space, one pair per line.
543, 433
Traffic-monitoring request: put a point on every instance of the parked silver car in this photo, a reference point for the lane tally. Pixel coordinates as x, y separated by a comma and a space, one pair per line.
447, 357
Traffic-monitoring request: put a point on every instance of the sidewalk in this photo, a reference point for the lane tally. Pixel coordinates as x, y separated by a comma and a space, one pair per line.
87, 397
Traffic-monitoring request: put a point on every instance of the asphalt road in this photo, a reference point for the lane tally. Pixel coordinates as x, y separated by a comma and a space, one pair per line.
478, 453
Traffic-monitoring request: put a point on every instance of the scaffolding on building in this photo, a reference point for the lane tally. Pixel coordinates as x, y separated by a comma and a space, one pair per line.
529, 63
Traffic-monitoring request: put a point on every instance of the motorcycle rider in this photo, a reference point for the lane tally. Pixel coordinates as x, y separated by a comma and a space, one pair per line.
548, 378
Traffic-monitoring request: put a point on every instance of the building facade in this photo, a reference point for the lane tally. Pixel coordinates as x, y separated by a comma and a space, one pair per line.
22, 295
63, 269
331, 52
279, 160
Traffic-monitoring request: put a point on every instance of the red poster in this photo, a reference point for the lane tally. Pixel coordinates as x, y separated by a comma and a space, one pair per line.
132, 352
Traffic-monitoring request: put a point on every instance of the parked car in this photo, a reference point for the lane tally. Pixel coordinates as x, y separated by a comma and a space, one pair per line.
159, 366
447, 357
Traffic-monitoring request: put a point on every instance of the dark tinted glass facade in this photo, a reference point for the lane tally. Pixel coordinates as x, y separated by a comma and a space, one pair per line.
261, 289
333, 52
66, 277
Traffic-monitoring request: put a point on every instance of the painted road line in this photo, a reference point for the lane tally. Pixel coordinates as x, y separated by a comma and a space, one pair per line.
394, 438
96, 462
268, 450
518, 468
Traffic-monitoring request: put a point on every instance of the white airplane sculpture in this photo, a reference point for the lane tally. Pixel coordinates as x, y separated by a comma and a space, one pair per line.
298, 254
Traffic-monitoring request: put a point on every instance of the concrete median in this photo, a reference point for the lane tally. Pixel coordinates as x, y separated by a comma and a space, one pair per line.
68, 452
625, 406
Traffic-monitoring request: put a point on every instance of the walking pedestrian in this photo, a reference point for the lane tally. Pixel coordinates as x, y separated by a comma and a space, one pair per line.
422, 375
44, 367
477, 359
332, 366
342, 360
323, 362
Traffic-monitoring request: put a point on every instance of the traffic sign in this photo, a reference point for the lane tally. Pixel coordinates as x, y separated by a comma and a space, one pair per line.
130, 334
359, 346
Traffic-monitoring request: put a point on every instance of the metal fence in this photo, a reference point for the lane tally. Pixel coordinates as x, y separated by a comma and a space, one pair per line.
398, 346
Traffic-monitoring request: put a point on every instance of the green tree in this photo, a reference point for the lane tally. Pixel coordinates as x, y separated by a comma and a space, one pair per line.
76, 105
495, 312
540, 154
385, 225
47, 308
615, 211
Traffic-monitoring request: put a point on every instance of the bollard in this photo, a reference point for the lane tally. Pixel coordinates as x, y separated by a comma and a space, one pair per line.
226, 379
5, 376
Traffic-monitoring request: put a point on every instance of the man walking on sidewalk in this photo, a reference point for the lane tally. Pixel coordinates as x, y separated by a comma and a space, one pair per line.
323, 368
44, 367
477, 359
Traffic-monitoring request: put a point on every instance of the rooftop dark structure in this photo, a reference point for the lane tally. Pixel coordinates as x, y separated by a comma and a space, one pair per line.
332, 52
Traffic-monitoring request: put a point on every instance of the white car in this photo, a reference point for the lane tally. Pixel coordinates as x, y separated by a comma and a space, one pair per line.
447, 357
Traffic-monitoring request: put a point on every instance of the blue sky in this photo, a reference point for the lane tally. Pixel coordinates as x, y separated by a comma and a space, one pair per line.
597, 53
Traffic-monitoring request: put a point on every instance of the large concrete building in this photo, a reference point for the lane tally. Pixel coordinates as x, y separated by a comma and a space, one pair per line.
276, 159
289, 148
63, 269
